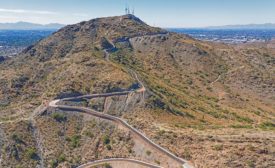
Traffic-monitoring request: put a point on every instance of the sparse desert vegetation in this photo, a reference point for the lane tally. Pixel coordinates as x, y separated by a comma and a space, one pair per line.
206, 102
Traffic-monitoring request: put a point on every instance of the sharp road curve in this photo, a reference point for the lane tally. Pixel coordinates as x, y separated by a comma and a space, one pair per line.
119, 121
119, 160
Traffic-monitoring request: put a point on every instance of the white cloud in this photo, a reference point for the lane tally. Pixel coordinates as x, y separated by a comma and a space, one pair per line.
41, 17
8, 17
27, 11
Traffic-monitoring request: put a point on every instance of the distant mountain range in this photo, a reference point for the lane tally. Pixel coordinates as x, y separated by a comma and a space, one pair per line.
54, 26
29, 26
195, 95
248, 26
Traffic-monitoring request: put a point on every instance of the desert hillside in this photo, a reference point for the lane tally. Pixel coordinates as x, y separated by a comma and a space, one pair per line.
209, 103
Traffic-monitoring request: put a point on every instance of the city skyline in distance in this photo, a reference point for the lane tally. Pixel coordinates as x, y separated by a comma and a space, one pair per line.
178, 14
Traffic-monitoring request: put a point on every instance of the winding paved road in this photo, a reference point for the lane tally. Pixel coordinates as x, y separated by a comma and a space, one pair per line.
117, 120
119, 161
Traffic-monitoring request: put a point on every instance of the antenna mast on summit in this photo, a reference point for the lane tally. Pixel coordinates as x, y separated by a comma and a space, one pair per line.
127, 9
133, 11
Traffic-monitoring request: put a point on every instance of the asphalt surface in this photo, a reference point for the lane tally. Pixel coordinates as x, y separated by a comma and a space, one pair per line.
119, 121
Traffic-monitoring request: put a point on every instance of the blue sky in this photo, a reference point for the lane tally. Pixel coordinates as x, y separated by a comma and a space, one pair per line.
162, 13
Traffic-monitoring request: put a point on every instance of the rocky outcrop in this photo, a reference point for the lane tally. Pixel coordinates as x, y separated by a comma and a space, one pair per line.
118, 105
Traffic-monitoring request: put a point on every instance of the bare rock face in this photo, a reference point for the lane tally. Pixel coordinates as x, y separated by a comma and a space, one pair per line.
119, 105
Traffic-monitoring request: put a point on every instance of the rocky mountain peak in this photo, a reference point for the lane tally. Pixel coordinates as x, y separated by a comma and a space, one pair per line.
85, 35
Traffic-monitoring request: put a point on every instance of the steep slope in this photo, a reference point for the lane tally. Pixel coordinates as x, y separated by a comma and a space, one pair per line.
190, 86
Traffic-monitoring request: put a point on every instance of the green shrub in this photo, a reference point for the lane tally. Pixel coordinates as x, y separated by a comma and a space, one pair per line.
130, 150
109, 147
186, 154
107, 165
245, 119
257, 112
68, 139
218, 147
61, 158
89, 134
60, 133
59, 117
74, 140
267, 126
31, 153
54, 163
241, 118
148, 153
157, 162
161, 132
210, 89
250, 163
155, 102
241, 126
16, 138
18, 166
106, 139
